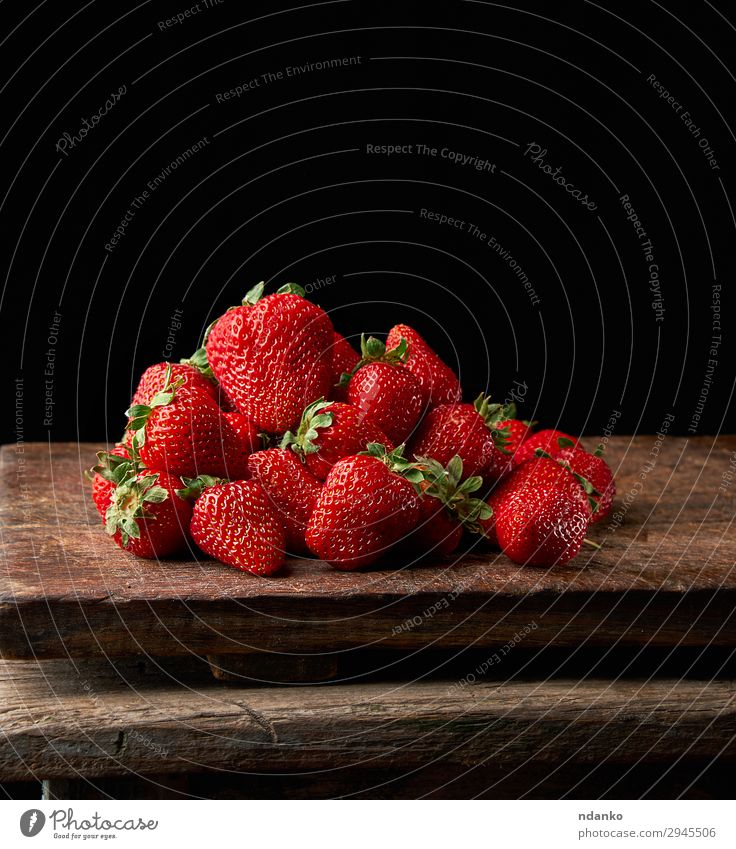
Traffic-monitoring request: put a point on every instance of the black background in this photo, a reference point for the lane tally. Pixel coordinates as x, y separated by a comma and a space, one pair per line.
284, 189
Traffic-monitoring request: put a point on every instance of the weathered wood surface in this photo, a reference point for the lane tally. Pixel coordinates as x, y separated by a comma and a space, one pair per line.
94, 718
665, 576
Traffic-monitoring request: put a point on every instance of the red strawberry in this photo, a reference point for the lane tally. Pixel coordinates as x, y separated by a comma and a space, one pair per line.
344, 360
112, 467
154, 377
386, 391
248, 437
330, 431
447, 507
364, 508
513, 433
291, 488
469, 430
541, 472
236, 524
550, 441
268, 355
183, 431
438, 381
543, 525
515, 430
146, 516
594, 469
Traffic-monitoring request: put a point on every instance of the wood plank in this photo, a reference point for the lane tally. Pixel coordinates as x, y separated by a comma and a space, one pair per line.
665, 575
62, 719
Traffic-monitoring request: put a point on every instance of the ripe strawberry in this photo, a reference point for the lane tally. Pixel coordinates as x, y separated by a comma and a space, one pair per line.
112, 467
386, 391
447, 506
184, 432
594, 469
236, 524
268, 356
541, 472
513, 432
330, 431
146, 517
550, 441
291, 489
543, 525
344, 360
468, 430
437, 380
154, 377
366, 505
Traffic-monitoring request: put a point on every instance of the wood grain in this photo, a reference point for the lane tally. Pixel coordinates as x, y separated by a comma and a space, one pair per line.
95, 718
664, 576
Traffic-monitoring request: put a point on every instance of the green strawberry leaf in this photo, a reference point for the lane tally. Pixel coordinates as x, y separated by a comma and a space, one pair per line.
313, 418
291, 289
199, 358
399, 354
455, 470
194, 487
564, 442
254, 295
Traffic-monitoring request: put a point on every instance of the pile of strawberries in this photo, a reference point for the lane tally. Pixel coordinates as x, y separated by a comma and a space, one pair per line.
277, 438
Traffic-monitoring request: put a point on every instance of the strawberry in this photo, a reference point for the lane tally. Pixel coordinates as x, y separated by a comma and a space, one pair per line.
513, 433
268, 355
438, 382
541, 472
387, 392
344, 360
468, 430
291, 488
183, 431
330, 431
515, 430
593, 468
366, 505
154, 377
550, 441
112, 467
542, 525
145, 515
447, 506
236, 524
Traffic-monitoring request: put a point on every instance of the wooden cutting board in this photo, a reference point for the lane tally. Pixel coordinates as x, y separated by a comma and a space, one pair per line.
665, 575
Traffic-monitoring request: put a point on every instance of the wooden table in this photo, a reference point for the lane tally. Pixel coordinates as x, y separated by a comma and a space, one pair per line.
419, 695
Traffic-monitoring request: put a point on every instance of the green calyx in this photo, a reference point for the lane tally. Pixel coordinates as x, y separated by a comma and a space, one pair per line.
128, 506
313, 418
139, 414
587, 486
446, 485
291, 289
194, 487
256, 293
493, 415
114, 468
373, 350
252, 296
396, 462
199, 358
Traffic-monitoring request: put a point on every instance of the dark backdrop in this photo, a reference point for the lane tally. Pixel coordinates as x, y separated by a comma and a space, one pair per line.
556, 289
